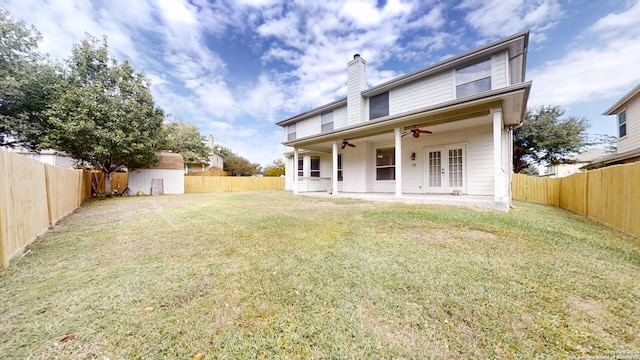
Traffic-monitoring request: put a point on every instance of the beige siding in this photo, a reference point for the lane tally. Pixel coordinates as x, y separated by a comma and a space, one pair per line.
340, 117
422, 93
499, 71
354, 168
632, 140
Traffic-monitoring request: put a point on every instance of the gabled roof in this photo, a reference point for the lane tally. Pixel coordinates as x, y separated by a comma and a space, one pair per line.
620, 104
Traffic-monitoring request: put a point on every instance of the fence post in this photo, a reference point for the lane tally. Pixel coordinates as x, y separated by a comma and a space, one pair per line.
4, 256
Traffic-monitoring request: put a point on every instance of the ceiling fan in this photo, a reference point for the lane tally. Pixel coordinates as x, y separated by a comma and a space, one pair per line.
345, 143
416, 132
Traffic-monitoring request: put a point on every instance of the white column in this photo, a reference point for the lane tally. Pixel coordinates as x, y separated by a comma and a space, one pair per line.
398, 134
295, 170
498, 173
334, 177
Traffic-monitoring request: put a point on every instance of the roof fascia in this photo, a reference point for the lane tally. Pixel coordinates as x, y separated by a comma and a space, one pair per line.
615, 108
319, 110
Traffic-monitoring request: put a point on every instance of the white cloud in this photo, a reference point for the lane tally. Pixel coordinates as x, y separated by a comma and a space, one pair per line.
497, 18
607, 64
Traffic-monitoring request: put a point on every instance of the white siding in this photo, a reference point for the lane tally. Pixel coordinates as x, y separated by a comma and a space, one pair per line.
632, 140
140, 180
340, 117
479, 161
422, 93
354, 168
308, 127
499, 71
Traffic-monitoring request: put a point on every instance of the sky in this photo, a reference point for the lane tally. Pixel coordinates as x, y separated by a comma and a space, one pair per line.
235, 68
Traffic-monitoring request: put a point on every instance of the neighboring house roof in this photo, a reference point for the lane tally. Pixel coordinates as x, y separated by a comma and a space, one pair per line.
590, 155
614, 159
170, 161
620, 104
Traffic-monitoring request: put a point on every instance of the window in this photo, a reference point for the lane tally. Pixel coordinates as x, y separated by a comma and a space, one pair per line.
339, 167
315, 166
291, 132
326, 120
379, 106
300, 167
473, 79
622, 124
386, 164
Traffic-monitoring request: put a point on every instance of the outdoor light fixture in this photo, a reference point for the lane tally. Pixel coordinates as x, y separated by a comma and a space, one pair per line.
413, 156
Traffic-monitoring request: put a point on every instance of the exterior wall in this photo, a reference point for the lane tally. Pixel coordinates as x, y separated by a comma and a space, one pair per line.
422, 93
499, 71
308, 127
340, 117
173, 180
632, 140
359, 171
356, 83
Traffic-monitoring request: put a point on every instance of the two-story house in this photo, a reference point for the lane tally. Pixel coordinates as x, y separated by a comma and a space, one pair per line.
627, 112
443, 129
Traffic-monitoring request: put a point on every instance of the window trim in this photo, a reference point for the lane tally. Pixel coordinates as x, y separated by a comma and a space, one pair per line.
314, 172
458, 84
379, 96
324, 125
620, 125
339, 166
291, 135
391, 166
300, 167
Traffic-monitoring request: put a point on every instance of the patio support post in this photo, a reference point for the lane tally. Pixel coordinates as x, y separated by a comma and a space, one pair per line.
498, 171
295, 170
398, 170
334, 176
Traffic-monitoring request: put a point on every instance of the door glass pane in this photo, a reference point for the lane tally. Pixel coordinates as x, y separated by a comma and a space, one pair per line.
455, 168
435, 163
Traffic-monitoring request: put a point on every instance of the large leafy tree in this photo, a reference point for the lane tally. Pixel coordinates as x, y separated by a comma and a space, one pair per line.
548, 138
29, 83
274, 169
239, 166
105, 115
186, 140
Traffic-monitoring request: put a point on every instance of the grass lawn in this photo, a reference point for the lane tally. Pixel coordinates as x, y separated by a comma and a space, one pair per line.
269, 275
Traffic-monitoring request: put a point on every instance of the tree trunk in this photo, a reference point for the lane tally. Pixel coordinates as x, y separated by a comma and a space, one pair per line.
107, 182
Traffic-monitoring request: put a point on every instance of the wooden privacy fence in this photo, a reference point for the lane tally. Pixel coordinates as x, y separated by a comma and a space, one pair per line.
33, 197
201, 184
610, 195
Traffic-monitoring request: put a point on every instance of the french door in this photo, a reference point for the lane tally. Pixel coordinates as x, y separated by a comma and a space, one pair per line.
445, 169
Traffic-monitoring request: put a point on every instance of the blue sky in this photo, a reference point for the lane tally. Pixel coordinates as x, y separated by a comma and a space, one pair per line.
235, 68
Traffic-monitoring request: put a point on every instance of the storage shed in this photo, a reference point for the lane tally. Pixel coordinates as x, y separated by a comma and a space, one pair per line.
166, 178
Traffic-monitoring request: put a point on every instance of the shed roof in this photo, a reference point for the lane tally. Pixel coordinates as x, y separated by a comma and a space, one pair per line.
170, 161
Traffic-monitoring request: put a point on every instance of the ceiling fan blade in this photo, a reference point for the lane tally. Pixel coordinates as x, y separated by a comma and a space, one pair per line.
424, 131
350, 144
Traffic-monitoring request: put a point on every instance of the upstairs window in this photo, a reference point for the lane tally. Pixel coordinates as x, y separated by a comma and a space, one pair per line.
473, 79
339, 167
379, 106
291, 132
622, 124
386, 164
315, 166
326, 121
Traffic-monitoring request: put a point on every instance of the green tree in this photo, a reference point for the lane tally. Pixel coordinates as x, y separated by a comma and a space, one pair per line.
548, 138
239, 166
186, 140
106, 115
274, 169
223, 151
29, 83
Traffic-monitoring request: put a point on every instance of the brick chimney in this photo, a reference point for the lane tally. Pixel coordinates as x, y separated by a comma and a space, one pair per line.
356, 83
